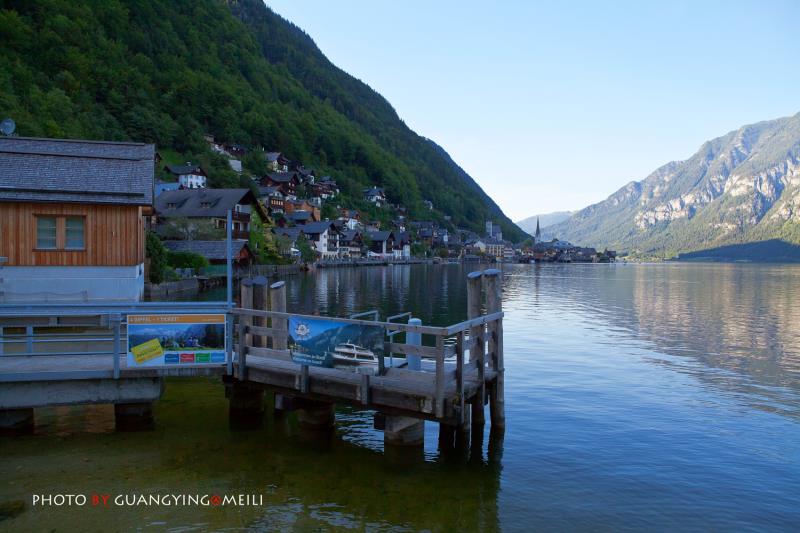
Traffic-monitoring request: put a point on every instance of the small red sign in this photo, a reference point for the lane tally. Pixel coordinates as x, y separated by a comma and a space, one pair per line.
187, 358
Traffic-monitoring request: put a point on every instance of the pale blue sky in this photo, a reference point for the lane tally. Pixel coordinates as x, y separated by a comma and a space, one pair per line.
555, 105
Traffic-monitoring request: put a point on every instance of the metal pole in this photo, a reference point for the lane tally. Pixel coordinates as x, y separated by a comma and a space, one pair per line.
229, 343
229, 297
116, 320
229, 257
414, 362
29, 340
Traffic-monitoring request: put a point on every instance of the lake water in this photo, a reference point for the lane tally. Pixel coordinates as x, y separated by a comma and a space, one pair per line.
638, 397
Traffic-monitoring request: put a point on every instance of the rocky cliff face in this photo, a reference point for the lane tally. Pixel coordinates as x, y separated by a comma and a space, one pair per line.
740, 187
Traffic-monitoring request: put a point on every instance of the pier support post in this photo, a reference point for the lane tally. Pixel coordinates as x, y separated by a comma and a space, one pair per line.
494, 304
477, 349
277, 297
403, 431
16, 421
259, 303
316, 415
245, 339
280, 341
133, 416
245, 405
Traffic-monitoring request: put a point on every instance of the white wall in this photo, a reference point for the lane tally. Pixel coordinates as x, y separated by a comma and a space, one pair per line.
59, 283
192, 181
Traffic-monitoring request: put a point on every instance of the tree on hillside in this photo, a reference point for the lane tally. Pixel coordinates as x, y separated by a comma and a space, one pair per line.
307, 252
168, 72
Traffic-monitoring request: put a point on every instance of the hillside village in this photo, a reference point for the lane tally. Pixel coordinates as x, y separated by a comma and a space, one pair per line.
290, 214
77, 203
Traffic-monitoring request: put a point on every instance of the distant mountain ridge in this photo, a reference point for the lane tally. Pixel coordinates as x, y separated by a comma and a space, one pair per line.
545, 220
739, 188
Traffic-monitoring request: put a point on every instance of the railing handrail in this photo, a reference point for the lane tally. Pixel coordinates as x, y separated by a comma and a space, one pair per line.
101, 308
426, 330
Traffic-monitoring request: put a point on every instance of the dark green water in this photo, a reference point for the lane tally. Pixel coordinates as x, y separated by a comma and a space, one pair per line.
639, 397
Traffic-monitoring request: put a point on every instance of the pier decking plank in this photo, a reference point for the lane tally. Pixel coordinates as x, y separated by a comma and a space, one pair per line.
399, 390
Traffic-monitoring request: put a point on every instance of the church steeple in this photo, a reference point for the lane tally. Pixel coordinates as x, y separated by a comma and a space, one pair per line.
538, 235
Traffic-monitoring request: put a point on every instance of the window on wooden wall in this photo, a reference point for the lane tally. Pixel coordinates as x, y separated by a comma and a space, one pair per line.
75, 233
60, 232
46, 233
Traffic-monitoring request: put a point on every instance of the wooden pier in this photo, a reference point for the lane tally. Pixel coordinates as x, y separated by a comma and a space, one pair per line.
76, 355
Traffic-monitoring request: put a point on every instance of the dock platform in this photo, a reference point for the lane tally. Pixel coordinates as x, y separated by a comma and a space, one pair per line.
77, 354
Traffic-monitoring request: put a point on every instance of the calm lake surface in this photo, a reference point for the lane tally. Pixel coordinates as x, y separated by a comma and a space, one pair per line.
638, 397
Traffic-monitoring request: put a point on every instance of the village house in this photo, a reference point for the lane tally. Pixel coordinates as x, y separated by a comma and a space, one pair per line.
495, 248
474, 247
276, 162
402, 244
287, 241
428, 205
323, 237
272, 199
290, 206
72, 219
375, 195
493, 231
351, 218
351, 244
285, 182
306, 175
215, 251
324, 188
381, 243
195, 206
584, 255
189, 176
299, 218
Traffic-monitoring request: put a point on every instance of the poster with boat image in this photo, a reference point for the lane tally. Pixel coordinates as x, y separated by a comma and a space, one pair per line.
186, 339
323, 342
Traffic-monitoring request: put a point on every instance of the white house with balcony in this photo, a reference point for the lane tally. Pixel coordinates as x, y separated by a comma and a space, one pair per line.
189, 176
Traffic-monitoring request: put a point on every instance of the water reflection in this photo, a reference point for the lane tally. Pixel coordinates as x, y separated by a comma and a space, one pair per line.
637, 396
733, 326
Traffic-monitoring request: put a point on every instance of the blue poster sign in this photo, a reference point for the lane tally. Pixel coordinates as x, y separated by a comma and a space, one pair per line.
324, 342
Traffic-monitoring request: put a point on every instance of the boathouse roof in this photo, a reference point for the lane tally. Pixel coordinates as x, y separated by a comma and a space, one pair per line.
201, 202
77, 171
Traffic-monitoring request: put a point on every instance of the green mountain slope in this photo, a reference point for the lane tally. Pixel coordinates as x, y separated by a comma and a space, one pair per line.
739, 188
167, 72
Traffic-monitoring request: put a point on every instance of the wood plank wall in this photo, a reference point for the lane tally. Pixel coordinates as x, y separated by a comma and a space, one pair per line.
114, 235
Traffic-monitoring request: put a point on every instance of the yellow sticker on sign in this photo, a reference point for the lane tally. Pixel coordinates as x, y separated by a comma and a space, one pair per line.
147, 351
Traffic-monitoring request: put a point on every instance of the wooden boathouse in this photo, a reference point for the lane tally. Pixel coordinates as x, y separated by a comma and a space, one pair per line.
77, 354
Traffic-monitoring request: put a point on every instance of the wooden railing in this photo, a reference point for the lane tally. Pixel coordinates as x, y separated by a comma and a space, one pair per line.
262, 322
262, 325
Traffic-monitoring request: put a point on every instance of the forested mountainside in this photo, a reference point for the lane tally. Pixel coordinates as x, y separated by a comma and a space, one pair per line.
739, 188
168, 72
